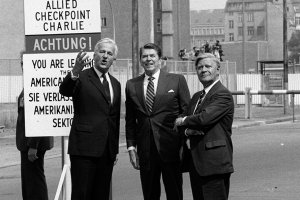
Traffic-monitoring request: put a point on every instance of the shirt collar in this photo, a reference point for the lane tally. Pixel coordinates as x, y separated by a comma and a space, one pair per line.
209, 87
155, 75
99, 73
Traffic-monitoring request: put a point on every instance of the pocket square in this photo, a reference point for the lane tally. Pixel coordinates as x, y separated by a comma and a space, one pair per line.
170, 91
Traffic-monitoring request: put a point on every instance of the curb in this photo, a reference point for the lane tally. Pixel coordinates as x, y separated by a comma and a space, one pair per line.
263, 122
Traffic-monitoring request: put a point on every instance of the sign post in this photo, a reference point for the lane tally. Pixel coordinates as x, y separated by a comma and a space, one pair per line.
55, 31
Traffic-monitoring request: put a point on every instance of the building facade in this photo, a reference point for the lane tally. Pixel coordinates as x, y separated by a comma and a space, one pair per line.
207, 25
255, 27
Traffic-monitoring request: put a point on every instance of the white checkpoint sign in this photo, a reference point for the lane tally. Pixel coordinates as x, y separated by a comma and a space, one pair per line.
43, 17
47, 113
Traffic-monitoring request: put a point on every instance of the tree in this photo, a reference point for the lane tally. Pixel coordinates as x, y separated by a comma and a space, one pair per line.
294, 46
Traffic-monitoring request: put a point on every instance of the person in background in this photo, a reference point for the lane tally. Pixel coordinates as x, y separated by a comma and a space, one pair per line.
94, 134
153, 101
208, 128
32, 150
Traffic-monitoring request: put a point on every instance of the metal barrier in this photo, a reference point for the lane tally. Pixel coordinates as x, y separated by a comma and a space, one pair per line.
248, 98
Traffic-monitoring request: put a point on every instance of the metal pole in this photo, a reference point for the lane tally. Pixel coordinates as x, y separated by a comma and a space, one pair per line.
285, 56
113, 20
244, 38
135, 39
293, 104
67, 187
151, 21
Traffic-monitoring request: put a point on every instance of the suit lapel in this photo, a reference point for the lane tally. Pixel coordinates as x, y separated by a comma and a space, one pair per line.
210, 93
93, 77
139, 86
162, 84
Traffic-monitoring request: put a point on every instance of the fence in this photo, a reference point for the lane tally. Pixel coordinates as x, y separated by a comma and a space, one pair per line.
11, 82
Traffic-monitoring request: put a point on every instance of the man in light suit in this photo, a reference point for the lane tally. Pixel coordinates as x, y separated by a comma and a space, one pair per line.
94, 135
207, 124
153, 101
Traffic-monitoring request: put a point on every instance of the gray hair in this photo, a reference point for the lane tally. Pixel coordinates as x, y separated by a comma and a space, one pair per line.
207, 55
107, 40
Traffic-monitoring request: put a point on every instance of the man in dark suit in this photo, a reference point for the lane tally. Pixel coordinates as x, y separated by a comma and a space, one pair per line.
94, 135
32, 149
153, 101
207, 124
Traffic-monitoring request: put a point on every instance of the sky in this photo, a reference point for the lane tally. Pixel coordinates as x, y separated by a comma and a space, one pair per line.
207, 4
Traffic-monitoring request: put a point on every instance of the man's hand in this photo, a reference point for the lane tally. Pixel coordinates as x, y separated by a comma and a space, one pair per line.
81, 62
191, 132
116, 160
134, 159
32, 154
178, 122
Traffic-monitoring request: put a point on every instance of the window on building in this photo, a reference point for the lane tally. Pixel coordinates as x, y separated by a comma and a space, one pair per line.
158, 25
230, 23
247, 5
194, 31
260, 30
297, 21
207, 31
250, 17
158, 4
221, 31
204, 31
231, 37
240, 17
230, 13
103, 22
240, 31
250, 30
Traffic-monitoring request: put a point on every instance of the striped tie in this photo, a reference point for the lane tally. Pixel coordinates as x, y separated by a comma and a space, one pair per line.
150, 94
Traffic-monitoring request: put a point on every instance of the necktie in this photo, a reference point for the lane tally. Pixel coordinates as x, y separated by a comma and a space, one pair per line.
106, 87
202, 94
150, 94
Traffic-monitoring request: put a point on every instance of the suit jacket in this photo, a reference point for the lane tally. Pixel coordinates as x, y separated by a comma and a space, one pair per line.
96, 122
24, 143
212, 153
171, 99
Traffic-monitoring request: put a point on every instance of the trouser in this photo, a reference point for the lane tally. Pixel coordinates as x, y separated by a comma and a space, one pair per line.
171, 176
91, 177
34, 186
214, 187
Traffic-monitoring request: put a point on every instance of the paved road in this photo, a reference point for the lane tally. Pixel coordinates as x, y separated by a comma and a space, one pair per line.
266, 161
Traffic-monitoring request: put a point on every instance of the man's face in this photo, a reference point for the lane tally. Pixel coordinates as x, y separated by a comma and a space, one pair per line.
207, 71
104, 57
150, 61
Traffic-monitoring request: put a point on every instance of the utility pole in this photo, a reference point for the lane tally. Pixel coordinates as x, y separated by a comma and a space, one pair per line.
244, 38
135, 38
285, 56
